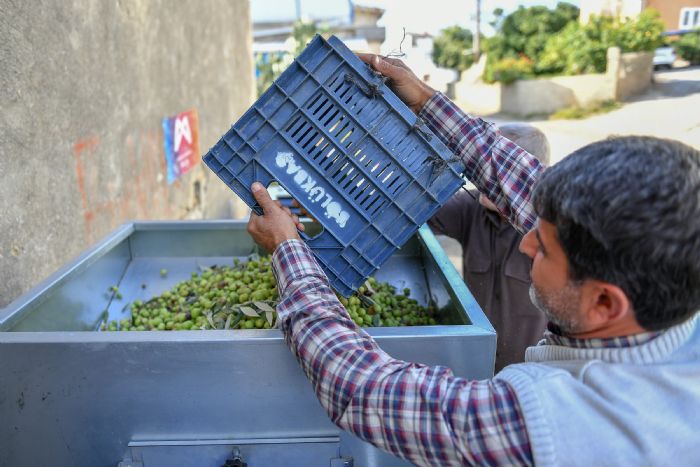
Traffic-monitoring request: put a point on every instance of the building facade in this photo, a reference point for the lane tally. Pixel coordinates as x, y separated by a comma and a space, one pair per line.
676, 14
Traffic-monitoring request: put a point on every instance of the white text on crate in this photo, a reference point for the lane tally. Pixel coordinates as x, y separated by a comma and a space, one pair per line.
315, 192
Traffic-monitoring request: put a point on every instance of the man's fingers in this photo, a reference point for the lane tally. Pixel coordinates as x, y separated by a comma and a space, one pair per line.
262, 196
367, 58
397, 63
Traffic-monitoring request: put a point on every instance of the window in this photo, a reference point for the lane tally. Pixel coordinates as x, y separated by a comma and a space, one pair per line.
690, 18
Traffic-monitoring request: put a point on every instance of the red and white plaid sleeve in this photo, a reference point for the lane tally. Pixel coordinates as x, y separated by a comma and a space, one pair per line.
499, 168
421, 413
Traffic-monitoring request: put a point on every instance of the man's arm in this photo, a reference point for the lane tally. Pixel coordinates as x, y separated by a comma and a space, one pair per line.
424, 414
499, 168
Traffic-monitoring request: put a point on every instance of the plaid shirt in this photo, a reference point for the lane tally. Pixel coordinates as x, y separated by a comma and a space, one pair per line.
424, 414
499, 168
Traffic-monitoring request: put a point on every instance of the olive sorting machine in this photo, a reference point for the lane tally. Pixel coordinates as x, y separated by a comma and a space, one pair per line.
70, 396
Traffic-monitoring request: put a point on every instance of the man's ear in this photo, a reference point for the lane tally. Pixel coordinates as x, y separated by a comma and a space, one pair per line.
604, 303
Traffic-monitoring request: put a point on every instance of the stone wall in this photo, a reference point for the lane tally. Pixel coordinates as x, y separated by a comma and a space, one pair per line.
626, 75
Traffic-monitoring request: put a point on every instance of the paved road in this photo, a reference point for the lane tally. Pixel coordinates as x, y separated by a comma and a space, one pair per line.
670, 109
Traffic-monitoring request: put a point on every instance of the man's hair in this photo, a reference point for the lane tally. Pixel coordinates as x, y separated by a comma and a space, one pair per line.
529, 138
627, 212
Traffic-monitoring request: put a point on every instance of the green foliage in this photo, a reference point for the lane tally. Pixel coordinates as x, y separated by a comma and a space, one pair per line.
688, 47
582, 48
270, 66
509, 69
453, 48
303, 32
575, 50
521, 37
642, 34
557, 43
526, 31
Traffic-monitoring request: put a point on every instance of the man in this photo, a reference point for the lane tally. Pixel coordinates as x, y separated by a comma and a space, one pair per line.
616, 270
494, 269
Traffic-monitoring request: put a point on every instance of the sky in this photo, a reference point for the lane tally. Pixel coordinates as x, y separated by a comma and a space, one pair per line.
415, 15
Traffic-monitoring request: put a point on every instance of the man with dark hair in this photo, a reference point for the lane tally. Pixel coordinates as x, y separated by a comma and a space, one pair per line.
616, 269
495, 270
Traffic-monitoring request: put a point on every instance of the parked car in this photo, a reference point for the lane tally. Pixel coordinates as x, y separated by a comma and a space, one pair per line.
664, 58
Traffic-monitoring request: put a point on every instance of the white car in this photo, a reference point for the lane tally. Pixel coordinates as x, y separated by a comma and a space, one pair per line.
664, 58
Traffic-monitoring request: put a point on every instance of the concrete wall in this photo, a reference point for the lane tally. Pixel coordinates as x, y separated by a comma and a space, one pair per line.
547, 95
626, 76
84, 86
635, 74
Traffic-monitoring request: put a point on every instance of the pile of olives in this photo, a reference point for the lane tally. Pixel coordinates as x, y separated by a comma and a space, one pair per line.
244, 297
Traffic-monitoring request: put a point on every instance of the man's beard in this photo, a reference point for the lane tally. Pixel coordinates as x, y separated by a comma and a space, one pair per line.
560, 307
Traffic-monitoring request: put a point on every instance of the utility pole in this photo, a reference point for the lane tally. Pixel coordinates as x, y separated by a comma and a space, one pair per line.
476, 40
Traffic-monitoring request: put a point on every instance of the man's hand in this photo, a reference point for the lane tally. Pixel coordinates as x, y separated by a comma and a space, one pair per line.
276, 225
411, 90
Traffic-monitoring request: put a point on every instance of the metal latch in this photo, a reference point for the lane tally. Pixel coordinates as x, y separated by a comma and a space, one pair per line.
342, 462
236, 460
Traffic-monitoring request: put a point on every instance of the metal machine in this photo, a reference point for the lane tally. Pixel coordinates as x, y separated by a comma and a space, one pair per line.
70, 396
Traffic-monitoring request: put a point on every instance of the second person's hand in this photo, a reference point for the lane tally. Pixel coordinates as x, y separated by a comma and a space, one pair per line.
407, 86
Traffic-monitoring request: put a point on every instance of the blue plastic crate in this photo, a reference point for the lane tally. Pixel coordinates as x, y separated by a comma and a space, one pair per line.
339, 141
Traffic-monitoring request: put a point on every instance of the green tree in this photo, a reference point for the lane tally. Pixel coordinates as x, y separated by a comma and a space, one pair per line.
270, 66
303, 32
526, 30
521, 38
582, 48
453, 48
688, 47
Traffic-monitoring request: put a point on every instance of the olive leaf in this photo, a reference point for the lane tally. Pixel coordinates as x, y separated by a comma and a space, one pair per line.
253, 257
208, 315
366, 301
270, 317
248, 311
227, 324
375, 320
263, 306
369, 288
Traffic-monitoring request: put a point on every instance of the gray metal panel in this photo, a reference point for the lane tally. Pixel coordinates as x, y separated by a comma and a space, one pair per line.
307, 452
73, 298
85, 395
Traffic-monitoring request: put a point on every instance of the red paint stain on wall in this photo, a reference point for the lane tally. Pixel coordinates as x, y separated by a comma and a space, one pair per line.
143, 192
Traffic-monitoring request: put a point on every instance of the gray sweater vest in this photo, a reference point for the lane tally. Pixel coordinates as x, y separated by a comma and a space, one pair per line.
614, 406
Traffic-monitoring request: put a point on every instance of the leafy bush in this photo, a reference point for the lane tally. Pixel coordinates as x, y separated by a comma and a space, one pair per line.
688, 47
574, 51
453, 47
642, 34
509, 69
269, 66
558, 44
582, 48
526, 30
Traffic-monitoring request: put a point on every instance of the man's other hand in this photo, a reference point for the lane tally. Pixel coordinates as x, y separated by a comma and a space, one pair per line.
276, 225
411, 90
